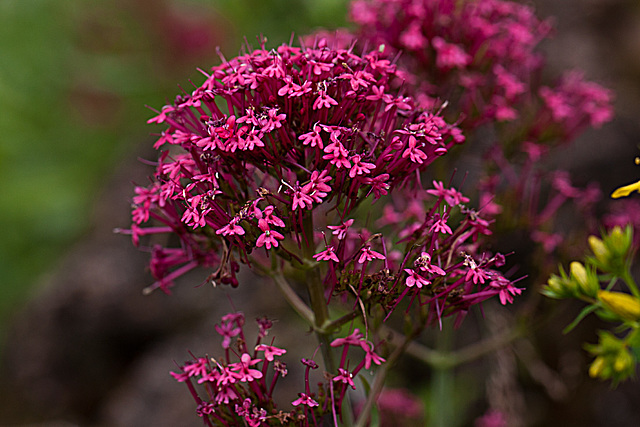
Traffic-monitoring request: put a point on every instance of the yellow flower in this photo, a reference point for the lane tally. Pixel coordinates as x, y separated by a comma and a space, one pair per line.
624, 305
626, 190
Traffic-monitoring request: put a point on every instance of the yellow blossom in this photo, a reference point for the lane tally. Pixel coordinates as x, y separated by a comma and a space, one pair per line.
626, 190
624, 305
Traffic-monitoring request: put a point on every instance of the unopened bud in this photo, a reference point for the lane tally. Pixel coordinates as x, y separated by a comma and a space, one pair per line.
597, 367
599, 250
623, 361
624, 305
586, 282
620, 240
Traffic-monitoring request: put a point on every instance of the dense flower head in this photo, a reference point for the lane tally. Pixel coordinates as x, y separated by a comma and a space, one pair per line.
271, 135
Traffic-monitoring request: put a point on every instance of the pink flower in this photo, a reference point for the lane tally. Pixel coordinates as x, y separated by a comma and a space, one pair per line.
452, 196
242, 369
327, 255
424, 263
324, 101
301, 200
268, 237
415, 279
413, 152
271, 218
312, 138
200, 367
345, 377
353, 339
449, 55
341, 230
370, 356
440, 225
359, 167
304, 399
232, 228
366, 254
270, 351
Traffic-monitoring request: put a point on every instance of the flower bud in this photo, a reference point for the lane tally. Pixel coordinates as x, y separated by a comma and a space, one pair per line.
619, 241
597, 367
559, 287
587, 283
623, 361
600, 250
624, 305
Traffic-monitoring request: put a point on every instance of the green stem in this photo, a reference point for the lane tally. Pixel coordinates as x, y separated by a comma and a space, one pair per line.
381, 376
442, 399
293, 299
315, 288
631, 283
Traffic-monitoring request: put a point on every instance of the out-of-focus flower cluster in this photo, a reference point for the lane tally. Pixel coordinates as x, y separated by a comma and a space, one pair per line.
480, 58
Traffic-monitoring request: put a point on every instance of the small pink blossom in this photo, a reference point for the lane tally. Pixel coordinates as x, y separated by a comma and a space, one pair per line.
304, 399
242, 370
345, 377
359, 167
353, 339
324, 101
269, 237
341, 230
270, 351
232, 228
327, 255
415, 279
366, 254
370, 356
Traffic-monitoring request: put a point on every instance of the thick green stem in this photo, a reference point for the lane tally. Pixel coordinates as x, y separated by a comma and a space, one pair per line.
293, 299
320, 310
442, 396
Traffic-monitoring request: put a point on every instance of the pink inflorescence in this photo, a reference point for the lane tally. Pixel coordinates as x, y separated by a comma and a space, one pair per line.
481, 57
270, 136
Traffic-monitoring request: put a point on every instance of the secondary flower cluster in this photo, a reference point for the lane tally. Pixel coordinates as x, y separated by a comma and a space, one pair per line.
234, 392
481, 57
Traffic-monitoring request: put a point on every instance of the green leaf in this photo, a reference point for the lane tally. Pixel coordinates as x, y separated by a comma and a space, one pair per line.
585, 311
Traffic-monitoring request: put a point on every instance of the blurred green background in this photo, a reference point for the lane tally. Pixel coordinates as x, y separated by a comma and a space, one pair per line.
75, 77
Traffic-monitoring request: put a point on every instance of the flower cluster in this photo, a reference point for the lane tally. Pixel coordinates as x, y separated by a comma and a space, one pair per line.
481, 57
233, 392
271, 162
434, 258
269, 137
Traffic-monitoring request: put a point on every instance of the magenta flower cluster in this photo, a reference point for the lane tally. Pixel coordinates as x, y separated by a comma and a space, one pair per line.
230, 393
312, 159
269, 137
481, 57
